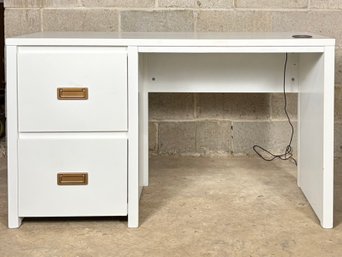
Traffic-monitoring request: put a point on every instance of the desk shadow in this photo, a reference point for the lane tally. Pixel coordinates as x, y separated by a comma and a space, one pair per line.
292, 180
75, 219
3, 192
310, 214
338, 192
172, 178
276, 177
165, 183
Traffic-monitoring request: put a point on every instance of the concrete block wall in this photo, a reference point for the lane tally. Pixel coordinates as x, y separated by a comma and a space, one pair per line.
194, 124
218, 124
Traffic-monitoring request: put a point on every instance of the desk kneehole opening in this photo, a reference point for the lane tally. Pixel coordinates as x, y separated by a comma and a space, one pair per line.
72, 179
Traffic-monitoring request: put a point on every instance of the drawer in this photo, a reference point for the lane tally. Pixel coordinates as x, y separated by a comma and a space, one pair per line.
76, 175
72, 89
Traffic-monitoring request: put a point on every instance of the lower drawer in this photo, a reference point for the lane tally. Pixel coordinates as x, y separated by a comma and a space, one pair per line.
42, 192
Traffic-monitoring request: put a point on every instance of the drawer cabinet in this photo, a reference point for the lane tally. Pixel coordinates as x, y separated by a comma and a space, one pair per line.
72, 122
44, 158
72, 89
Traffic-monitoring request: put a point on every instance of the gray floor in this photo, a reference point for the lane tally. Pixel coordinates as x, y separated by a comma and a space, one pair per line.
193, 207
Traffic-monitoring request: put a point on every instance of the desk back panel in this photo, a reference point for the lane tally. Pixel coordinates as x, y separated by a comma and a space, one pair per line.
219, 72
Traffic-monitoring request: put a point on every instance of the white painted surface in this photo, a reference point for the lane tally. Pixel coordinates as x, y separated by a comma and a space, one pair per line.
133, 140
12, 136
311, 130
230, 49
143, 123
103, 70
41, 158
218, 72
300, 78
328, 138
174, 74
211, 39
316, 133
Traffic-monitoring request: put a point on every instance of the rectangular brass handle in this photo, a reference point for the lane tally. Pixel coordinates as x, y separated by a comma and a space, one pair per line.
71, 179
72, 93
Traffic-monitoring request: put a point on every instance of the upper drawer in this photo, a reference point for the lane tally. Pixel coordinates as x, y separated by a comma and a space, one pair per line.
101, 72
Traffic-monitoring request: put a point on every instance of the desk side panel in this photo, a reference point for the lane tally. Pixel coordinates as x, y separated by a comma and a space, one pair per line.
133, 138
315, 124
143, 125
328, 137
12, 136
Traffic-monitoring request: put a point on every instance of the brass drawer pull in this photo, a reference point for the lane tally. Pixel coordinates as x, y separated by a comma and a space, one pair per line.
68, 93
71, 179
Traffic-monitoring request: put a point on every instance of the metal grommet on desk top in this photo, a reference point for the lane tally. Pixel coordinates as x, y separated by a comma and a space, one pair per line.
302, 36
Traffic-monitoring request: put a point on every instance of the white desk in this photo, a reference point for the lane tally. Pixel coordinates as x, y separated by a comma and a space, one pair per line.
39, 124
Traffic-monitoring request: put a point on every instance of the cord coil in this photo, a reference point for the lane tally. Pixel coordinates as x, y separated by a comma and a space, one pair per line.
288, 153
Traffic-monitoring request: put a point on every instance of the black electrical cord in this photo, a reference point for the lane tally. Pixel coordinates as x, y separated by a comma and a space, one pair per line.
288, 154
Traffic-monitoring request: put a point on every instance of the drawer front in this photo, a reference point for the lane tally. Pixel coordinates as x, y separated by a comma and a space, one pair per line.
72, 89
83, 176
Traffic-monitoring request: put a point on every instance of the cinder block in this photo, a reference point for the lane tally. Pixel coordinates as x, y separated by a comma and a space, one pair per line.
321, 22
271, 4
338, 140
23, 3
213, 137
338, 66
157, 21
62, 3
338, 103
233, 106
325, 4
165, 106
277, 106
153, 136
177, 137
273, 136
196, 137
3, 147
235, 21
21, 21
223, 4
177, 3
210, 106
119, 3
197, 3
41, 3
80, 20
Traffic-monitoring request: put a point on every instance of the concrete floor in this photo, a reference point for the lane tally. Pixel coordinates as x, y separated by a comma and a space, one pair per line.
193, 207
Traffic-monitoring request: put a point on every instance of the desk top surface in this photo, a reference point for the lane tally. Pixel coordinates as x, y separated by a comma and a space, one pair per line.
170, 39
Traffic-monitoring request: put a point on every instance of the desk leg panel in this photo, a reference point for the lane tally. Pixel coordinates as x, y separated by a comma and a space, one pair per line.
14, 221
328, 147
316, 98
133, 138
143, 124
